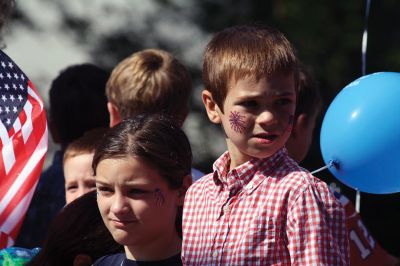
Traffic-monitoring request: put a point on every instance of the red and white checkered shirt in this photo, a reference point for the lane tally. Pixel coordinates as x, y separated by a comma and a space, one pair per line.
264, 212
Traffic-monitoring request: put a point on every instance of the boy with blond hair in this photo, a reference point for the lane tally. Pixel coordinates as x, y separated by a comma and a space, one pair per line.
150, 81
258, 207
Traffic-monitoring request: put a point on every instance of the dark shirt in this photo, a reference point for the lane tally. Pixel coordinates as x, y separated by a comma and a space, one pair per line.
47, 201
120, 259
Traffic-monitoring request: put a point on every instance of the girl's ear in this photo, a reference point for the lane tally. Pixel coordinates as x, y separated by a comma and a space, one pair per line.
187, 182
211, 107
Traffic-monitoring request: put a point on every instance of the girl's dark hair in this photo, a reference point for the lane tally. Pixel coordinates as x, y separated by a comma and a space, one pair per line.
77, 229
155, 138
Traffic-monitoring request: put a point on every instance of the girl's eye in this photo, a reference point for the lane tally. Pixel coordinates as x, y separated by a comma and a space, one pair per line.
105, 191
136, 191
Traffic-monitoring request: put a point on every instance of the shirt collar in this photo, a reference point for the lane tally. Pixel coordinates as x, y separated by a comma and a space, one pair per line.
248, 175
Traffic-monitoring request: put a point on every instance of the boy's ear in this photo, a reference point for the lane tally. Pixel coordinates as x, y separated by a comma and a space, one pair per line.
187, 182
115, 117
211, 107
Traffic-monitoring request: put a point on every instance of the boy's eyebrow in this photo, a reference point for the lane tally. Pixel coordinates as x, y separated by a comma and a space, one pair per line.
102, 183
268, 94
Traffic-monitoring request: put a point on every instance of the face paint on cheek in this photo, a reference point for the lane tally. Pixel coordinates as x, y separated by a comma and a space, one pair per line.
290, 124
160, 199
237, 122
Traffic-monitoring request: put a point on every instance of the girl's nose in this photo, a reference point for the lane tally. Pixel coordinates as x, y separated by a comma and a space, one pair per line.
119, 204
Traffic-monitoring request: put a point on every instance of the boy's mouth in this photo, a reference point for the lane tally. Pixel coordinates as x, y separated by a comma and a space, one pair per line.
265, 137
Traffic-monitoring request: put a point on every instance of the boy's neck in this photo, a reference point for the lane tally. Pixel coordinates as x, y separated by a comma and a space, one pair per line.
236, 156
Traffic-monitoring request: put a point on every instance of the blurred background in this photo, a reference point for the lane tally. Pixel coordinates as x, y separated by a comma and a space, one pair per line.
45, 36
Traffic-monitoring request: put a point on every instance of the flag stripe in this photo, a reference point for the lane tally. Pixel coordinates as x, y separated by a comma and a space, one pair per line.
13, 217
7, 149
27, 127
20, 179
21, 205
24, 153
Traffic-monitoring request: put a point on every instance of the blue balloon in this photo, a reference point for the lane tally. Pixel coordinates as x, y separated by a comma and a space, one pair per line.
361, 134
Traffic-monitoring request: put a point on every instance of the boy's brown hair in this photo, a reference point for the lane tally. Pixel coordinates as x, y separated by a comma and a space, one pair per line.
245, 51
150, 81
84, 145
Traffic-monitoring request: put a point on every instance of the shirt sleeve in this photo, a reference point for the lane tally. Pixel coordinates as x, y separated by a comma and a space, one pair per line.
316, 228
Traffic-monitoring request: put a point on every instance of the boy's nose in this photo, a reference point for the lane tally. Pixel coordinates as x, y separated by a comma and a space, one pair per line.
266, 118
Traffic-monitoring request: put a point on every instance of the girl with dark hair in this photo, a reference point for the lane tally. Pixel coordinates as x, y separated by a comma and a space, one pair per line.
142, 169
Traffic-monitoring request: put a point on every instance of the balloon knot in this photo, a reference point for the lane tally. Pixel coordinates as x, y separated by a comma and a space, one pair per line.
334, 163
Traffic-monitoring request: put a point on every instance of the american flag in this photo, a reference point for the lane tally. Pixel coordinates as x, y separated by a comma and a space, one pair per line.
23, 146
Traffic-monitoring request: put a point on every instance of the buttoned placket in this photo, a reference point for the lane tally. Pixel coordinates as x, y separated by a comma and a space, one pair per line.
223, 220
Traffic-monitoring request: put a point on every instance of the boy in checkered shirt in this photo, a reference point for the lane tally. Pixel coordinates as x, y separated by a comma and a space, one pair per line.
258, 207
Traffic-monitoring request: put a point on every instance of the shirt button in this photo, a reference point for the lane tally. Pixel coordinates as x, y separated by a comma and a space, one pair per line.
250, 186
226, 208
215, 254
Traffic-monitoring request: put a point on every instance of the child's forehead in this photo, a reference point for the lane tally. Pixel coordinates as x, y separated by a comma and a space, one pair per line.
80, 158
278, 82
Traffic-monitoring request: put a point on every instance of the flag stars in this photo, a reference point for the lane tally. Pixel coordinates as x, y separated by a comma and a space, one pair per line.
8, 75
1, 76
10, 65
3, 64
15, 109
14, 86
16, 76
8, 121
12, 97
20, 97
3, 97
22, 77
6, 86
21, 87
7, 109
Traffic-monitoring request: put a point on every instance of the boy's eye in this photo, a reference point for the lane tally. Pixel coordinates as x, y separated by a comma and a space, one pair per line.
71, 188
91, 184
284, 101
250, 103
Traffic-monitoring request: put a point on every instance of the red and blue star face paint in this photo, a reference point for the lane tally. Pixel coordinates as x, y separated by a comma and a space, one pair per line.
290, 124
237, 122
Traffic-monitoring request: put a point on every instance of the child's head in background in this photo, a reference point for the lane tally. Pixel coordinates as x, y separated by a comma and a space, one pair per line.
308, 107
77, 102
142, 170
149, 81
77, 164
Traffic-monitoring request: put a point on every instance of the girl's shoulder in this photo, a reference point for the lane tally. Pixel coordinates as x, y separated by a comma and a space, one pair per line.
114, 259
